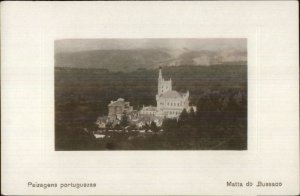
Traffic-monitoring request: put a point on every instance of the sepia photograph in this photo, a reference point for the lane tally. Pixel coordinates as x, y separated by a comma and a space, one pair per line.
151, 94
150, 98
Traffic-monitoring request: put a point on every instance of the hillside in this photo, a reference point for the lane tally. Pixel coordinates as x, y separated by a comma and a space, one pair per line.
133, 59
114, 60
82, 95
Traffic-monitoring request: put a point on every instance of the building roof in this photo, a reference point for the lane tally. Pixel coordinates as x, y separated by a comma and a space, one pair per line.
149, 108
119, 102
171, 94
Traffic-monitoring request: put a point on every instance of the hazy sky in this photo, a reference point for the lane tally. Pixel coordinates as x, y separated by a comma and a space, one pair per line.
74, 45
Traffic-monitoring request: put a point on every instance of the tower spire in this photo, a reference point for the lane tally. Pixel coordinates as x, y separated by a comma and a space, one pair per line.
160, 74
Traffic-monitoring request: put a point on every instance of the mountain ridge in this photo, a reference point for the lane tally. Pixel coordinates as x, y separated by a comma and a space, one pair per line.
132, 59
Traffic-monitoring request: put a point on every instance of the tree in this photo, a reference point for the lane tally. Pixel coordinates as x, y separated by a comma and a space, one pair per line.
153, 126
117, 126
183, 118
124, 120
169, 125
146, 126
192, 112
108, 125
192, 117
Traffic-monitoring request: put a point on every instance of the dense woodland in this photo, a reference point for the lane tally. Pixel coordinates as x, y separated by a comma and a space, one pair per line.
219, 92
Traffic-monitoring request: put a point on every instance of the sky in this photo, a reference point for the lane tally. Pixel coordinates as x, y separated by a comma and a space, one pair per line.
213, 44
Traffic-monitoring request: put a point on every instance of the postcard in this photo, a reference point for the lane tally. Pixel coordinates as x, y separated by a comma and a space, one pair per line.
150, 98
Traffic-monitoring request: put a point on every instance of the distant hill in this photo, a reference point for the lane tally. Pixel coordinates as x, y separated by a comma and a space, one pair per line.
114, 60
133, 59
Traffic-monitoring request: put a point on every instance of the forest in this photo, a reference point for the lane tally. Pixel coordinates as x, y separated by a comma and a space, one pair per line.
219, 92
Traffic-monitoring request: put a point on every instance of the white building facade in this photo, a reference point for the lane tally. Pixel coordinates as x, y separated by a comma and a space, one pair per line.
170, 103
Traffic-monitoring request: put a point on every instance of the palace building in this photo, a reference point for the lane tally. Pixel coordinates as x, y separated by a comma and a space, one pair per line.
170, 103
117, 108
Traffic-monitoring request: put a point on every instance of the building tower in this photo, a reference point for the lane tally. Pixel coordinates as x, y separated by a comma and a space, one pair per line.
163, 85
